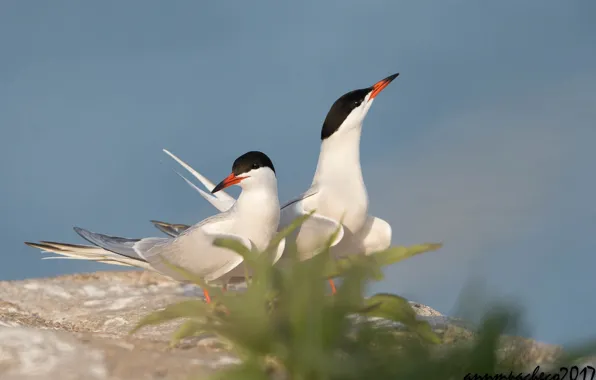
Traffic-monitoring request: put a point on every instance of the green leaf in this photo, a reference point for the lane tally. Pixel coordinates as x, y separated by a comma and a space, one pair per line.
336, 268
236, 246
484, 356
395, 254
390, 306
183, 309
287, 314
285, 232
398, 309
187, 329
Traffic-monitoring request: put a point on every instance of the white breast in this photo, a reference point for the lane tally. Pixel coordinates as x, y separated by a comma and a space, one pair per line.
256, 217
342, 201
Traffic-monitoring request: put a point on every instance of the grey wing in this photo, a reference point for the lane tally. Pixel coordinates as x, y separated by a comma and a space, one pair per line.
308, 193
175, 230
119, 245
213, 224
193, 251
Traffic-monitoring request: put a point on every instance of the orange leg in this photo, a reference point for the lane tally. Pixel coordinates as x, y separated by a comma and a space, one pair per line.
333, 290
207, 298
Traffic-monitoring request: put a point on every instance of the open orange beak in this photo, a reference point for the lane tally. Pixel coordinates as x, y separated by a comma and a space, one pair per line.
380, 85
230, 180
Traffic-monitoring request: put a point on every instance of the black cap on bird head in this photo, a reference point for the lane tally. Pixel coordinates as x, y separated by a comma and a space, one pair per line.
343, 106
252, 160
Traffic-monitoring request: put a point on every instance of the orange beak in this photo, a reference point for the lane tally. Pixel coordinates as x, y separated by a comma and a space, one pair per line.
380, 85
227, 182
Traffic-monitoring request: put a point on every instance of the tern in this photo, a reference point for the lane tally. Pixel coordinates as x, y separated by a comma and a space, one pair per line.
253, 221
337, 193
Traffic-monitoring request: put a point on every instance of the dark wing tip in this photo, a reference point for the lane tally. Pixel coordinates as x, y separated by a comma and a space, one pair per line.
85, 235
40, 245
159, 223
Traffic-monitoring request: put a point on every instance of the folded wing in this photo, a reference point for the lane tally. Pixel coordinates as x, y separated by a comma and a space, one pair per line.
193, 251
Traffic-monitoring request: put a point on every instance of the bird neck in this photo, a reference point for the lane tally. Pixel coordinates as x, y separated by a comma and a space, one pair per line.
257, 214
339, 159
257, 197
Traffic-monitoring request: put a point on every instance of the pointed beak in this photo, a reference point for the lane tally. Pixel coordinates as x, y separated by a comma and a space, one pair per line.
380, 85
230, 180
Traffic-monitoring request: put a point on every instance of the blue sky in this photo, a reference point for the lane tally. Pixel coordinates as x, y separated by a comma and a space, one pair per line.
484, 142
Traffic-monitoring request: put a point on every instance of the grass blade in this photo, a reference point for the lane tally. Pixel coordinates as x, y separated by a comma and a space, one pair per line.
387, 257
395, 254
234, 245
285, 232
398, 309
189, 328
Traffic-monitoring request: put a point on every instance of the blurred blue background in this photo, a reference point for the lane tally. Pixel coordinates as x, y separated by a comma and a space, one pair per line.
485, 141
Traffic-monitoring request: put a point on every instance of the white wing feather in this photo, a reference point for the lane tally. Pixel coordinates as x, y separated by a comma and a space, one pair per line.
375, 236
311, 236
193, 251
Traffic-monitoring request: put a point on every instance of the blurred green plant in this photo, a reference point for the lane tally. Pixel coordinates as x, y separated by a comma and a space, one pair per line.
285, 324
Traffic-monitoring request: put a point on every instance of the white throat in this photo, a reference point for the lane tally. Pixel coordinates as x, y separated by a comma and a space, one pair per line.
339, 158
264, 195
341, 190
257, 212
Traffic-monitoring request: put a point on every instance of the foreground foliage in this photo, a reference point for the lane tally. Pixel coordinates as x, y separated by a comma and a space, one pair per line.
287, 325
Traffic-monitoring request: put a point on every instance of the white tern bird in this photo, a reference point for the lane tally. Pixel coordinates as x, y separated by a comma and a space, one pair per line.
252, 220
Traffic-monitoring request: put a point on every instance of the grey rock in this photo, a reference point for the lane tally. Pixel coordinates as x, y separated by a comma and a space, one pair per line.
29, 353
77, 327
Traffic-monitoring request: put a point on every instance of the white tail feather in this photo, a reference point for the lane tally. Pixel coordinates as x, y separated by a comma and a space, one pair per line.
210, 198
84, 252
220, 200
111, 262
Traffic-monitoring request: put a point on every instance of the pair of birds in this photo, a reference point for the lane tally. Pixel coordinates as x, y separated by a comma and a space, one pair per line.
337, 194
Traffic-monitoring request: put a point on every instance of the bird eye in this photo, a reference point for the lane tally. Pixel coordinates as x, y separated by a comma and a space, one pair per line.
255, 166
357, 102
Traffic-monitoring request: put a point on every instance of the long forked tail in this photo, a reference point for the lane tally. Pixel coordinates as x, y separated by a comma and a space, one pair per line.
86, 252
220, 200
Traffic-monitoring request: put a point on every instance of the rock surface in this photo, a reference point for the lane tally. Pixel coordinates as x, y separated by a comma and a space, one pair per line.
76, 327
